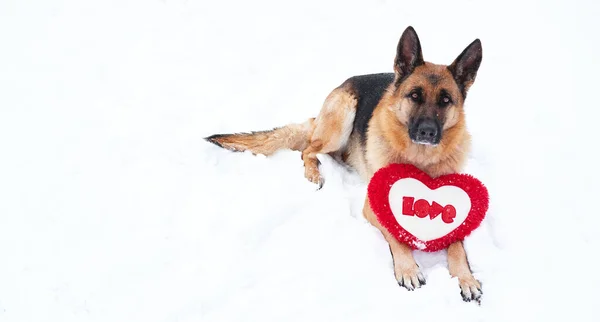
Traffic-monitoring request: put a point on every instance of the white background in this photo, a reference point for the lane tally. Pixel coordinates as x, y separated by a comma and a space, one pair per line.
113, 208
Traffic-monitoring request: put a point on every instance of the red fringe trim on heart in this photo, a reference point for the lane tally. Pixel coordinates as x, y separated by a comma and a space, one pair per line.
378, 194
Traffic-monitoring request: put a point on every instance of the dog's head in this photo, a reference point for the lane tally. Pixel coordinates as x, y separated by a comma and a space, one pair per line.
430, 97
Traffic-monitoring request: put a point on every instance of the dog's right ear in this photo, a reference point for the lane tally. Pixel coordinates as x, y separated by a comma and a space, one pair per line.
408, 54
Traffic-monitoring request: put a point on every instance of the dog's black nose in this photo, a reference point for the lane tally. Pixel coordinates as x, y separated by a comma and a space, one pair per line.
427, 132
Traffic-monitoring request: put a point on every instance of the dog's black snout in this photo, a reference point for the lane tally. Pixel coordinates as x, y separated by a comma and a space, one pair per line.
427, 132
427, 129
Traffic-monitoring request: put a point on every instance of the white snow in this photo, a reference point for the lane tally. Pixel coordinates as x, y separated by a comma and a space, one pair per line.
113, 208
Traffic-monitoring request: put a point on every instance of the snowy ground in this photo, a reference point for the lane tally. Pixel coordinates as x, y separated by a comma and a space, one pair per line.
113, 208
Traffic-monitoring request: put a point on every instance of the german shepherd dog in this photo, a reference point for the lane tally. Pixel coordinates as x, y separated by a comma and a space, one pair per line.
414, 115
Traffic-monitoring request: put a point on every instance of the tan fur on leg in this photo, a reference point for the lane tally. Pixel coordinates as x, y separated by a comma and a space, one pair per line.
406, 270
332, 128
458, 266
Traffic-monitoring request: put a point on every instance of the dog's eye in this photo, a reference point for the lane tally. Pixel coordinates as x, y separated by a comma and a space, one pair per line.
416, 95
445, 100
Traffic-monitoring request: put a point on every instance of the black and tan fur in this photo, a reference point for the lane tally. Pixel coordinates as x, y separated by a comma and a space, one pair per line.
414, 115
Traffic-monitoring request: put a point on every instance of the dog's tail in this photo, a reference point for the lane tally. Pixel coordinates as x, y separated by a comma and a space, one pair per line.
292, 136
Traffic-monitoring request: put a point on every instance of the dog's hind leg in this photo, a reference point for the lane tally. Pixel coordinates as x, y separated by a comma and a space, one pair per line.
327, 133
331, 131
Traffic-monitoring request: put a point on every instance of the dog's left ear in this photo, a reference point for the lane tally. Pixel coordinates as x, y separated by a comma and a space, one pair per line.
465, 66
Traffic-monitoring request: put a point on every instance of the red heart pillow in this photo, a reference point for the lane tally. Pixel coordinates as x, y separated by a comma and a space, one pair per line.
427, 213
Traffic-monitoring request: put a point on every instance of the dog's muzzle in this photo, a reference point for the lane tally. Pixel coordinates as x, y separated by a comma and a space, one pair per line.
426, 131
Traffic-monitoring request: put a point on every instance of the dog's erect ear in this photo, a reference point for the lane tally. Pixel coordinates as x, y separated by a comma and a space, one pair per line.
408, 54
465, 66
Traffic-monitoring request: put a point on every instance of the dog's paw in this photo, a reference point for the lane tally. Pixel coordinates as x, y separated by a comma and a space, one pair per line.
313, 175
409, 278
470, 289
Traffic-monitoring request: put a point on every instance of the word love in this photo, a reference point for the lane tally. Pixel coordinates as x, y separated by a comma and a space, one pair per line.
421, 208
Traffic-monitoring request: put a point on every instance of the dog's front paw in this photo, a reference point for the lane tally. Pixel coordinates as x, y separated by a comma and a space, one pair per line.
409, 278
470, 289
